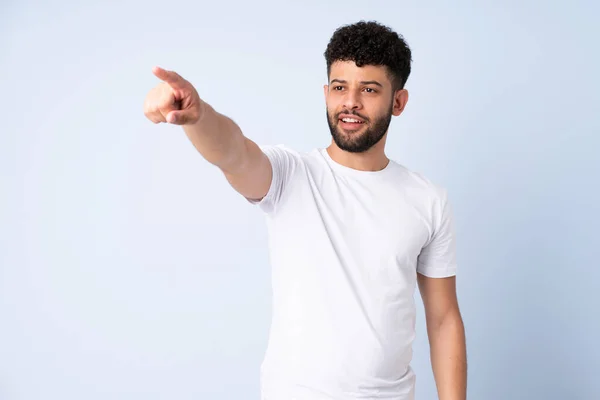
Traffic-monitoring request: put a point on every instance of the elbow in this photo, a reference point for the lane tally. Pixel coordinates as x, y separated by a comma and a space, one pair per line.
449, 320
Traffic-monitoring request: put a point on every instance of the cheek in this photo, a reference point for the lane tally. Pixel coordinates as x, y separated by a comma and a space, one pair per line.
381, 109
331, 103
332, 109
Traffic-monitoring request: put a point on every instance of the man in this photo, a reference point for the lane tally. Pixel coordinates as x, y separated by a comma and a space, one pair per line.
351, 233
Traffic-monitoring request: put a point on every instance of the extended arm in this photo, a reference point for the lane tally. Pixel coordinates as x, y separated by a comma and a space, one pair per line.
216, 137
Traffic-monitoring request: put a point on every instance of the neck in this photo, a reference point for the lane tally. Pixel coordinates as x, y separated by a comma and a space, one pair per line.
373, 159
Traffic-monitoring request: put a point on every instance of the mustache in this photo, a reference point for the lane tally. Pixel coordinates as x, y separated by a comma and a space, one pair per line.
351, 113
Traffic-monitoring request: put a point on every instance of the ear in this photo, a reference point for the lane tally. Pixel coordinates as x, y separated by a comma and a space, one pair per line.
400, 100
325, 90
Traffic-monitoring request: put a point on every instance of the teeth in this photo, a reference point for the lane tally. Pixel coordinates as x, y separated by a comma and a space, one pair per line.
350, 120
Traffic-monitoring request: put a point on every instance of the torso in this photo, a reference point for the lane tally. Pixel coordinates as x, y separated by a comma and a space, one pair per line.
344, 246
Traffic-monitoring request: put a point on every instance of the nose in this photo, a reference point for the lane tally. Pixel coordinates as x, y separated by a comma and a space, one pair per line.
352, 100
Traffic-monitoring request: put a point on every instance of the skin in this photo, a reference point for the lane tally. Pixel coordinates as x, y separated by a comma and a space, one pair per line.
347, 92
366, 92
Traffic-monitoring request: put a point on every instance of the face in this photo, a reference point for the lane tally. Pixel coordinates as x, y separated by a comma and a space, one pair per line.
360, 104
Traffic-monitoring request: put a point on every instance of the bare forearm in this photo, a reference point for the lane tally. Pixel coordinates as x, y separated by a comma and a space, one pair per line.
217, 138
449, 358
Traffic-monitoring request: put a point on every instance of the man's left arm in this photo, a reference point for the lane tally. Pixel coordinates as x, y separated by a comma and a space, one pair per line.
446, 335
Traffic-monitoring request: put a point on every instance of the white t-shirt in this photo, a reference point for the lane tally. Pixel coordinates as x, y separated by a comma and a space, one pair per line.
345, 248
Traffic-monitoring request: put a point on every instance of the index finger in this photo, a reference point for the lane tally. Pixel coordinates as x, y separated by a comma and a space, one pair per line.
171, 77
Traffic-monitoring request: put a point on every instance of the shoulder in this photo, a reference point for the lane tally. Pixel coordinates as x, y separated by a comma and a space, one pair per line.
419, 184
282, 157
278, 149
430, 199
282, 151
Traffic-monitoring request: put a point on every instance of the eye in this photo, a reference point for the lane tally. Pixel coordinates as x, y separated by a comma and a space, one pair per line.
338, 87
370, 90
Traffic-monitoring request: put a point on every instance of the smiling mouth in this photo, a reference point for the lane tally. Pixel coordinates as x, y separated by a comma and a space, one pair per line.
351, 121
350, 124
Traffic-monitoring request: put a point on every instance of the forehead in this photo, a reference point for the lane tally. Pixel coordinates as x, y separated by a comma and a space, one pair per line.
348, 71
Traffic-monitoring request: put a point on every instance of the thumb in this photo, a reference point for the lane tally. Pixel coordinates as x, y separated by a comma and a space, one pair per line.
179, 117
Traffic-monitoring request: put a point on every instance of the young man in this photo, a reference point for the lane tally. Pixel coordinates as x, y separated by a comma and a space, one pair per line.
351, 233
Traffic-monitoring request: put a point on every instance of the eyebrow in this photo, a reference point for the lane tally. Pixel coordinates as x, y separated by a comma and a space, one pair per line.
362, 82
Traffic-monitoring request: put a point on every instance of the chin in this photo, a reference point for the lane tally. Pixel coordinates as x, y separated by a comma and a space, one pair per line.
348, 144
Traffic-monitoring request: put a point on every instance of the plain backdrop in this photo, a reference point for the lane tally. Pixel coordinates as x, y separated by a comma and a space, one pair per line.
129, 269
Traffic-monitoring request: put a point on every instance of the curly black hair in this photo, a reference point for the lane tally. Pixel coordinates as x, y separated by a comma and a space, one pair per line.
371, 43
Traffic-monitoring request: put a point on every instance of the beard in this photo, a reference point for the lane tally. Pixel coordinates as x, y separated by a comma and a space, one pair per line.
356, 142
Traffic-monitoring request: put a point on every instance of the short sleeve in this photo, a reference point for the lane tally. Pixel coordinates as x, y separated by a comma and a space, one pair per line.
438, 257
283, 163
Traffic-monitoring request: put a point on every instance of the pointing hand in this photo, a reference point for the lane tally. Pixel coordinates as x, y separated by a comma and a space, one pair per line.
174, 100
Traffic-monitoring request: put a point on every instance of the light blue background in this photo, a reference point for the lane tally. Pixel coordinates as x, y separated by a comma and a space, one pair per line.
129, 269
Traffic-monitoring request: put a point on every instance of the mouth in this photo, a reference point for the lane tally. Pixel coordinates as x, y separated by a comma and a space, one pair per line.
350, 122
